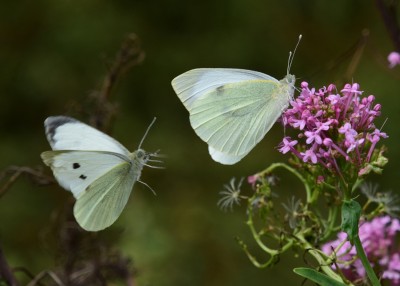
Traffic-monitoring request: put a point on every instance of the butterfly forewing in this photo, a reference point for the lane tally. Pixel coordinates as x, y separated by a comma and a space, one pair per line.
195, 83
103, 200
66, 133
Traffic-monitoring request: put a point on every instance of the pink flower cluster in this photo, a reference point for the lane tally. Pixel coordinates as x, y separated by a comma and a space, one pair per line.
332, 125
378, 238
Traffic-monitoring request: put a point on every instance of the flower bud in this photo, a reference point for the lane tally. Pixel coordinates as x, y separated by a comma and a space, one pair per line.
377, 107
327, 142
320, 180
331, 87
371, 98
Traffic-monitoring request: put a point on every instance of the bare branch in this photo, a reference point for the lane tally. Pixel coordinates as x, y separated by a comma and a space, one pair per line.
129, 55
35, 174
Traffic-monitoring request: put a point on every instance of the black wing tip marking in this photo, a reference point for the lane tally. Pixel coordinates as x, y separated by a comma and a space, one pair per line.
53, 122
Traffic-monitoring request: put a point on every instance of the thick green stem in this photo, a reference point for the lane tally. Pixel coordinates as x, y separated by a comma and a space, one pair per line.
364, 260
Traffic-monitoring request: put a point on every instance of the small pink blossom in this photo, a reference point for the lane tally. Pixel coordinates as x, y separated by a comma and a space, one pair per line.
299, 123
394, 59
309, 155
351, 88
375, 136
252, 180
287, 145
313, 136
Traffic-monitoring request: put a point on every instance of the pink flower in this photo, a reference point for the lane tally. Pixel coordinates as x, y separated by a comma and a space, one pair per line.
299, 123
394, 59
252, 180
375, 136
313, 136
332, 126
309, 155
378, 238
287, 145
351, 88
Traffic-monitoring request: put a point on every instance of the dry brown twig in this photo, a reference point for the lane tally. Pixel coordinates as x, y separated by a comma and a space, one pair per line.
129, 55
36, 175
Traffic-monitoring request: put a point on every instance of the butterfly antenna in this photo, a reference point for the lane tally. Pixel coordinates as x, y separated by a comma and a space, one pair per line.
383, 124
154, 193
288, 63
291, 55
147, 131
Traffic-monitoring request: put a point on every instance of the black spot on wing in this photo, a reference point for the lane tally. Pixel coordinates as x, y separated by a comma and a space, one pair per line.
83, 177
75, 165
53, 122
220, 90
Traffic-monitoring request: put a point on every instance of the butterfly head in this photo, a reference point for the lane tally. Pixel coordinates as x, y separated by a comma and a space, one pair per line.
287, 86
143, 158
289, 79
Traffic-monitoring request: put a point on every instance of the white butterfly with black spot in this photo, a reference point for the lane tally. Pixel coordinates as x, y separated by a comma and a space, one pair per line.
96, 168
233, 109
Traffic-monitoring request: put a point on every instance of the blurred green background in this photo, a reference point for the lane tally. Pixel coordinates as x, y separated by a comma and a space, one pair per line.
54, 53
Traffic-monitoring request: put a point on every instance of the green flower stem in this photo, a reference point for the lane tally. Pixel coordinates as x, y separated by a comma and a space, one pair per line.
376, 212
273, 166
333, 212
357, 184
321, 261
364, 260
274, 254
255, 234
257, 238
271, 261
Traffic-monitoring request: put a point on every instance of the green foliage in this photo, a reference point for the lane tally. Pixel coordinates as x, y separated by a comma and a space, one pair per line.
351, 212
317, 277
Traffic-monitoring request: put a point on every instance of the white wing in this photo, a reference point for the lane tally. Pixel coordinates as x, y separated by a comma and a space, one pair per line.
66, 133
195, 83
231, 109
76, 170
227, 159
103, 201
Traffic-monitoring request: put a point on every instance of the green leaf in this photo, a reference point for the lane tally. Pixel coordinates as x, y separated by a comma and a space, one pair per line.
317, 277
351, 212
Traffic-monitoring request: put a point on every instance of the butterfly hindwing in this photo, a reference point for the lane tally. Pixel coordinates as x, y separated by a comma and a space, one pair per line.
102, 202
75, 170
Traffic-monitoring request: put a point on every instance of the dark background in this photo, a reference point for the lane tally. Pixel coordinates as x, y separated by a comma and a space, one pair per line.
53, 54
